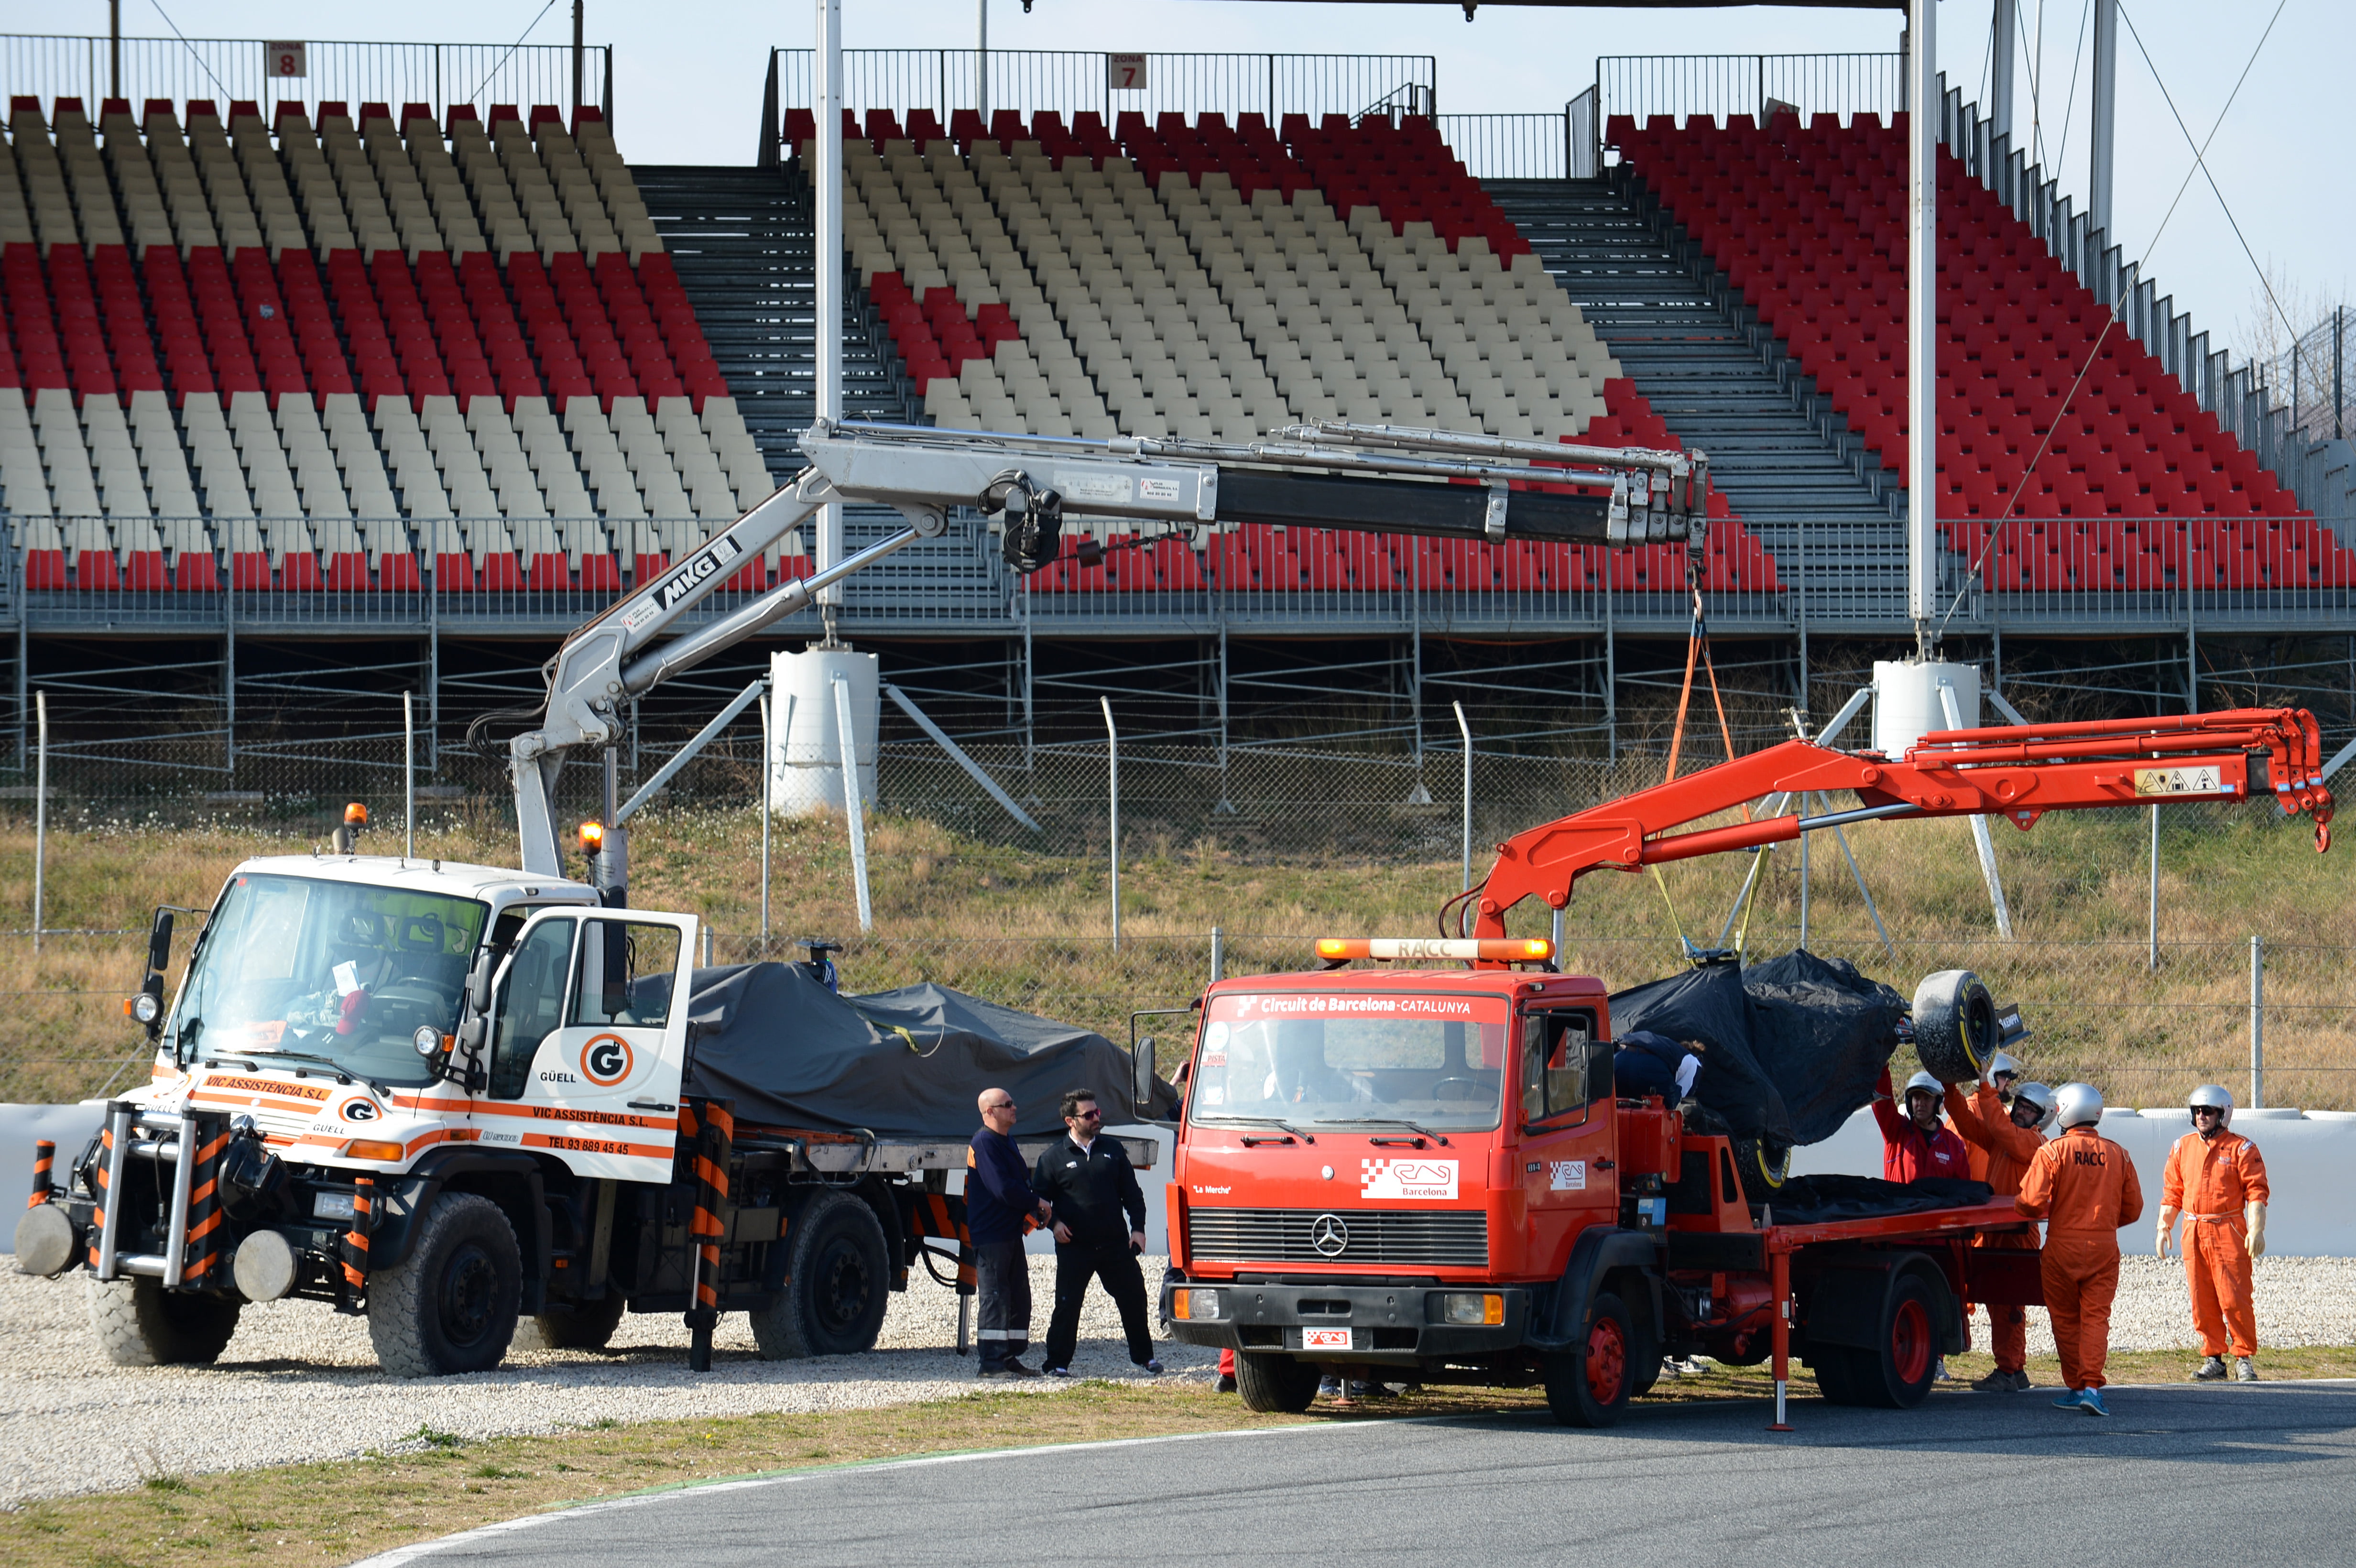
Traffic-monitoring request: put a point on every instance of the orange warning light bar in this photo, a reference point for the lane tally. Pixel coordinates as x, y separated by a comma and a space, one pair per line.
356, 813
1488, 949
593, 837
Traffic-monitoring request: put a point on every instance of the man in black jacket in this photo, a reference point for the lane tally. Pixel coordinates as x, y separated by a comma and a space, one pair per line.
1089, 1180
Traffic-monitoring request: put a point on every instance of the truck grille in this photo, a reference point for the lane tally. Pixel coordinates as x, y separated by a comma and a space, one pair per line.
1453, 1238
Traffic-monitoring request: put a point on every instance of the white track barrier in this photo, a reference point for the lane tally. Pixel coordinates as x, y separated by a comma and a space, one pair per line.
2310, 1164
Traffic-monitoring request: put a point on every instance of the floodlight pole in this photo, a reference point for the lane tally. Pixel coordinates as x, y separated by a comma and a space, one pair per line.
2105, 112
1923, 109
829, 265
2003, 35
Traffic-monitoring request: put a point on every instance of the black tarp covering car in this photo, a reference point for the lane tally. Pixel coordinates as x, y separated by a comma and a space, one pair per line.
1791, 1046
909, 1062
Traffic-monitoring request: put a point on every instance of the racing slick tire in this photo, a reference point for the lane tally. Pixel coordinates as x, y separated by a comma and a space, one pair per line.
1275, 1384
1593, 1388
451, 1305
1763, 1165
1956, 1027
140, 1324
837, 1289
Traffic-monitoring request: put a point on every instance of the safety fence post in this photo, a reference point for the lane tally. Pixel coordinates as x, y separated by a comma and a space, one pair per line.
40, 809
1465, 730
2152, 962
855, 805
1112, 823
2257, 1022
1218, 955
409, 775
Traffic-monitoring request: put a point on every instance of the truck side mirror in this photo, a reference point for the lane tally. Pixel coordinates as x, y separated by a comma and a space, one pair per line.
478, 982
1142, 1065
160, 943
148, 1006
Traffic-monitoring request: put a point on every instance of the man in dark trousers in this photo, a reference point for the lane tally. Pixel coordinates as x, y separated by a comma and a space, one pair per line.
1088, 1180
1000, 1207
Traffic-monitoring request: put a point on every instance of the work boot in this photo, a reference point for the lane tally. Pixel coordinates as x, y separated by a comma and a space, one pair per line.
1226, 1383
1940, 1372
2020, 1383
1329, 1388
2091, 1401
2212, 1371
2244, 1372
1996, 1381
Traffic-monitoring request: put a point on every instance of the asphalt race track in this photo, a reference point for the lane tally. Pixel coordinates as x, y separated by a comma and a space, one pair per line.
2193, 1476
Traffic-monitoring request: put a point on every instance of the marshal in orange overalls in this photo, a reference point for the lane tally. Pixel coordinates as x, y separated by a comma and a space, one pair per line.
2083, 1187
2215, 1180
2000, 1156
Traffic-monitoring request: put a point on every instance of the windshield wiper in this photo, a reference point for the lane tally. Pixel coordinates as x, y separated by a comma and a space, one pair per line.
343, 1073
1259, 1122
1440, 1138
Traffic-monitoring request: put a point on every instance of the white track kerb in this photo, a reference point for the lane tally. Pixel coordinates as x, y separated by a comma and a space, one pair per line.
567, 1512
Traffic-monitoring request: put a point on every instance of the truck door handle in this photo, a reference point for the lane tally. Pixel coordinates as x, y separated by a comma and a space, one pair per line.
650, 1105
1603, 1165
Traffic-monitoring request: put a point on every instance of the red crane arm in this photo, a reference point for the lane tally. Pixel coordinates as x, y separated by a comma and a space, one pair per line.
2019, 773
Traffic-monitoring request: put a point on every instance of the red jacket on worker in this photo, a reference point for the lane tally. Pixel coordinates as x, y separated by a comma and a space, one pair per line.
1907, 1155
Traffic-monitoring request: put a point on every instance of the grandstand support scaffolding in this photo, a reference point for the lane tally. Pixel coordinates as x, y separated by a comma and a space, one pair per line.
2003, 47
828, 261
2103, 140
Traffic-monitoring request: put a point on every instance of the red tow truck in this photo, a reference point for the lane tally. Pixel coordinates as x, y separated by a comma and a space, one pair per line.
1422, 1171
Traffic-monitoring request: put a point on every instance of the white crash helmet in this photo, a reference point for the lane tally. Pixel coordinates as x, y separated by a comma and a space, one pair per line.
1922, 1080
2040, 1098
2000, 1064
2215, 1094
2077, 1106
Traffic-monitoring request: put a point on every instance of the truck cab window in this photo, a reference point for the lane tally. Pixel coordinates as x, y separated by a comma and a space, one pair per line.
626, 972
529, 1003
1554, 1059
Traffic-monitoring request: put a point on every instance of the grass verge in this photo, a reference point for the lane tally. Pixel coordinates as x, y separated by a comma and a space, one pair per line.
438, 1483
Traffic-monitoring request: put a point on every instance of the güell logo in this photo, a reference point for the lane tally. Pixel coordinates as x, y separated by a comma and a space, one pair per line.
607, 1060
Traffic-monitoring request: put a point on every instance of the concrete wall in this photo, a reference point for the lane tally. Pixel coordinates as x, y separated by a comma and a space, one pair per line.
2310, 1163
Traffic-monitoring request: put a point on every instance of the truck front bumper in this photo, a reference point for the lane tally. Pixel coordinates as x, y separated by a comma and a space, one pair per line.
1384, 1323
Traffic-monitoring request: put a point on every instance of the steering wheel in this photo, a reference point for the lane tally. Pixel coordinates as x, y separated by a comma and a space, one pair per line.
1474, 1088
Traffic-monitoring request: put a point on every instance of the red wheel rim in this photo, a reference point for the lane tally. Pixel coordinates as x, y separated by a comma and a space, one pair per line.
1607, 1361
1910, 1342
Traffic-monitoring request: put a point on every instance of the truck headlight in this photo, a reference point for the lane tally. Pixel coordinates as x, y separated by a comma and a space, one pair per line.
332, 1206
1473, 1308
427, 1039
1194, 1305
146, 1008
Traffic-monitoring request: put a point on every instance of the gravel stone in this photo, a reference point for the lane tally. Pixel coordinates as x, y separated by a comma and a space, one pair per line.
300, 1383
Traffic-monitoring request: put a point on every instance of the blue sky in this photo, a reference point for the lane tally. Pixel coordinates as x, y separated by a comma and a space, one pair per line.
688, 83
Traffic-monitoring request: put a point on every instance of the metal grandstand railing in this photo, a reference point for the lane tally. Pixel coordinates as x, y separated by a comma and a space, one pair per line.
1526, 147
1719, 85
49, 67
1070, 80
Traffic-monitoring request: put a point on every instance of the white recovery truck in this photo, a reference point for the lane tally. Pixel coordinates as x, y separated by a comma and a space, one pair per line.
449, 1098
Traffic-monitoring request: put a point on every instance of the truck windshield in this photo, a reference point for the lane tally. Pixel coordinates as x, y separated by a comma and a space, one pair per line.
1350, 1058
290, 966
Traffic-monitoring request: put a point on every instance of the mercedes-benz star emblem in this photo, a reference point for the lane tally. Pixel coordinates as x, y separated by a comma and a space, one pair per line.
1328, 1235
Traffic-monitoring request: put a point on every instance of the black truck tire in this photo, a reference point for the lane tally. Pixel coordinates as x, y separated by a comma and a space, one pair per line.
1897, 1373
1835, 1367
1955, 1028
1593, 1388
837, 1289
140, 1324
1274, 1384
451, 1305
580, 1325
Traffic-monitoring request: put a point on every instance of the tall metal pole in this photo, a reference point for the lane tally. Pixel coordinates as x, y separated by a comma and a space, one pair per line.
2257, 1022
854, 801
1465, 730
829, 264
1922, 320
40, 812
2153, 962
1112, 825
2106, 112
981, 64
580, 76
409, 775
768, 813
2003, 33
114, 48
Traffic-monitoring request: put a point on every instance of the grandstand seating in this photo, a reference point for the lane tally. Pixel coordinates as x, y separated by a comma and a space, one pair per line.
346, 339
2136, 488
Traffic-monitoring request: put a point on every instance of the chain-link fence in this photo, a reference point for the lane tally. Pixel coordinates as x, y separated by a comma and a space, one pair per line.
2100, 1011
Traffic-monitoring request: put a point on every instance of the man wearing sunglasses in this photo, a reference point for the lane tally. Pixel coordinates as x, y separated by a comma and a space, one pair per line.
1100, 1231
999, 1209
2217, 1179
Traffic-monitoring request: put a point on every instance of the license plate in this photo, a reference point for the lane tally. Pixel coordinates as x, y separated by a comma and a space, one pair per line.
1325, 1340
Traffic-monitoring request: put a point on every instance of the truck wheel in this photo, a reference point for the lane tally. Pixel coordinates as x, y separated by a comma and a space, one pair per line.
1274, 1384
586, 1326
140, 1324
449, 1307
1762, 1165
834, 1298
1955, 1029
1896, 1375
1835, 1374
1591, 1391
